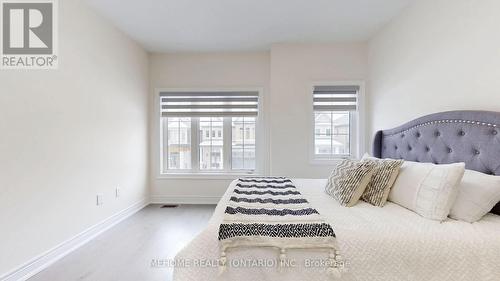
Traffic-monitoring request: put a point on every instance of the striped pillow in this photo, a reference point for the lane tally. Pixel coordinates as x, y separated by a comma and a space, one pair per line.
384, 175
348, 181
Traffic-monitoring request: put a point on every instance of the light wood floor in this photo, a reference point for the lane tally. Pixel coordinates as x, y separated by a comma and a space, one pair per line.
126, 251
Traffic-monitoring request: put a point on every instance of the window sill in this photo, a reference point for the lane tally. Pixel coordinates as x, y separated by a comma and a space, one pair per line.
327, 162
204, 176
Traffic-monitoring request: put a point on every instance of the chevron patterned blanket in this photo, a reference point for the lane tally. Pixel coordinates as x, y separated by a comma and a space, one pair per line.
271, 212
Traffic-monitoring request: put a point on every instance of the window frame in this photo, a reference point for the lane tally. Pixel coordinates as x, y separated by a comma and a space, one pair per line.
356, 125
195, 172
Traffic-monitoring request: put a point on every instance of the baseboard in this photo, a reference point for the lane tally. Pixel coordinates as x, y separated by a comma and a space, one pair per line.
44, 260
185, 199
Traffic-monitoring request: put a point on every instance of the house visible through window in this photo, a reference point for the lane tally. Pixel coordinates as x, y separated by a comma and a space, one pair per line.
326, 143
335, 110
178, 142
243, 146
211, 148
208, 131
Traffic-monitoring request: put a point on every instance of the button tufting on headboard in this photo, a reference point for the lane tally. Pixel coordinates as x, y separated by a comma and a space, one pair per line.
454, 136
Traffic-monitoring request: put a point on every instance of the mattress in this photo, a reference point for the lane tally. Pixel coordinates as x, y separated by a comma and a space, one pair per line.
389, 243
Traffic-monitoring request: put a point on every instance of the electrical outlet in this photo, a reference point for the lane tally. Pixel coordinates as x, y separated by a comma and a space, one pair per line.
100, 199
118, 192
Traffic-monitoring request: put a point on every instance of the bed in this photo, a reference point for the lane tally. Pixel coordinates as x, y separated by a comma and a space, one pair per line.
389, 243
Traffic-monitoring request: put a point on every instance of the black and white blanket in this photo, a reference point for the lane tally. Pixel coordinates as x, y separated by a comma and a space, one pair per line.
271, 212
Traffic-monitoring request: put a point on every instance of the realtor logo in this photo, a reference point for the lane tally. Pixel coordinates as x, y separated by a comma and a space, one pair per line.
28, 34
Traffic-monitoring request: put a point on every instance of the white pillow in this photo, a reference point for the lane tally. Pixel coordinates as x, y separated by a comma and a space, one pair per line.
478, 193
427, 189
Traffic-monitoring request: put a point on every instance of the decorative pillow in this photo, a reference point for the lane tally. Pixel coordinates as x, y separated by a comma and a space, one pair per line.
477, 195
348, 181
427, 189
384, 174
496, 209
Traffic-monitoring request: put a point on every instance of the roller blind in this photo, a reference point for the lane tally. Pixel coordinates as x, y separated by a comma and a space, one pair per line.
335, 98
209, 104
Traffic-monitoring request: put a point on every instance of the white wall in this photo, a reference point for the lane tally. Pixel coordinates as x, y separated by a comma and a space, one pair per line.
69, 134
286, 75
211, 70
438, 55
294, 69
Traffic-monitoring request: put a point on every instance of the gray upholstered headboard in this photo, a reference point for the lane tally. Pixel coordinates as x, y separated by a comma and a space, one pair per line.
472, 137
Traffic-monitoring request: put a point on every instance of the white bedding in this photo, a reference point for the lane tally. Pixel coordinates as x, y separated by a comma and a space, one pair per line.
389, 243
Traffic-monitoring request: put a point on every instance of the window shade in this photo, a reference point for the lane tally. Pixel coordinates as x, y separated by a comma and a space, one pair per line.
335, 98
209, 104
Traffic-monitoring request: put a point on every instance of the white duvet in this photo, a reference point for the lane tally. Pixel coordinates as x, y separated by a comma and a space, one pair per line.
389, 243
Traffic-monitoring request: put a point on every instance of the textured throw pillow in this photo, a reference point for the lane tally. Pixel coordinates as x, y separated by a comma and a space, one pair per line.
496, 209
427, 189
477, 195
385, 173
348, 181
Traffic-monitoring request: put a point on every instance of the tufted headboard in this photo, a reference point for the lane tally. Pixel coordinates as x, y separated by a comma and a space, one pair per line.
472, 137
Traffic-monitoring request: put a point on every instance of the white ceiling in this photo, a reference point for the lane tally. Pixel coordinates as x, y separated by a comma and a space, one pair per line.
239, 25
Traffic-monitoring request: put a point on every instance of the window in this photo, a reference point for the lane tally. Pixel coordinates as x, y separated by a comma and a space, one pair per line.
211, 148
178, 145
327, 144
335, 125
243, 146
208, 132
